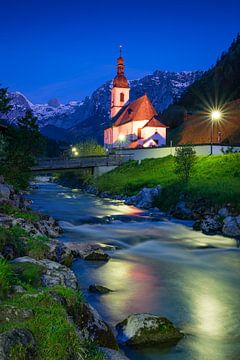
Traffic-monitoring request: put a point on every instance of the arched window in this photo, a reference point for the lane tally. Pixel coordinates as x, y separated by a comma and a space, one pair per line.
122, 97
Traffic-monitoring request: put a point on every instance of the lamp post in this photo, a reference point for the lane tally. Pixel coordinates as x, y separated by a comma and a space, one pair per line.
121, 139
215, 117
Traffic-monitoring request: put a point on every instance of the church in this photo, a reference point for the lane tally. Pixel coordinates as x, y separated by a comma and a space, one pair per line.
135, 124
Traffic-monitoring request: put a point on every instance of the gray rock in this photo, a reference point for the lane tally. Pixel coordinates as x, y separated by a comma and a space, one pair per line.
17, 337
96, 255
182, 212
18, 289
54, 273
211, 225
10, 313
223, 212
99, 289
5, 220
60, 253
145, 198
5, 191
230, 226
92, 327
110, 354
144, 329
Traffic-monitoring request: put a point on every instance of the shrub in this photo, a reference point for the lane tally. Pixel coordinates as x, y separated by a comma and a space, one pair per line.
185, 158
17, 213
7, 278
37, 247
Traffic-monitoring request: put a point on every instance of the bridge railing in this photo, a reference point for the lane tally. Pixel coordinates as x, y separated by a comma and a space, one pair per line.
81, 162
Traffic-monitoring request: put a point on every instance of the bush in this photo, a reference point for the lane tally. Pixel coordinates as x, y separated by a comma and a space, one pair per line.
17, 213
7, 278
185, 158
37, 247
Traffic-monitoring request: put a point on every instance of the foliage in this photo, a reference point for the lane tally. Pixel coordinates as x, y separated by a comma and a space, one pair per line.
173, 116
17, 213
216, 178
4, 102
6, 278
27, 274
24, 144
89, 148
10, 237
37, 247
73, 179
185, 158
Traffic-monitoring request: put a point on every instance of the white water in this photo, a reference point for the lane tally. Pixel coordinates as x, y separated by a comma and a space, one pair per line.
161, 267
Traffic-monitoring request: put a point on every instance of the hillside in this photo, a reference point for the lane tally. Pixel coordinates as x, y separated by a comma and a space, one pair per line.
196, 128
218, 85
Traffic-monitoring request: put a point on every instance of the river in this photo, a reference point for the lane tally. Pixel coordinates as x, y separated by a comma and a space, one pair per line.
162, 267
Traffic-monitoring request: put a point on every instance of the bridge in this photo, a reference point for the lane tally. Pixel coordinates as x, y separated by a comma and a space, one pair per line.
97, 164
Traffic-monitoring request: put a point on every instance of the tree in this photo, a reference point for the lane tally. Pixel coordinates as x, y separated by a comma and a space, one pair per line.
185, 158
89, 148
5, 106
24, 144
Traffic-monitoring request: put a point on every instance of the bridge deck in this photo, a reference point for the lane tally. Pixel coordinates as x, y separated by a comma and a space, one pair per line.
80, 162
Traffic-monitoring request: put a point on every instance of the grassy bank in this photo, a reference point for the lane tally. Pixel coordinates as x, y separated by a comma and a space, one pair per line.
216, 178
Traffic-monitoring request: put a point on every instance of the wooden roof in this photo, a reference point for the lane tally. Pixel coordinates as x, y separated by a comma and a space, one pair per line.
155, 123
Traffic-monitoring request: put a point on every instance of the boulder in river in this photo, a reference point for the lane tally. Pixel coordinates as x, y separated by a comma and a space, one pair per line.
231, 226
53, 273
145, 198
20, 341
144, 329
92, 327
99, 289
96, 255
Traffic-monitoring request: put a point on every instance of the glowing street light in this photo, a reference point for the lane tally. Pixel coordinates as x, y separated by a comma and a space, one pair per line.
216, 116
121, 139
74, 149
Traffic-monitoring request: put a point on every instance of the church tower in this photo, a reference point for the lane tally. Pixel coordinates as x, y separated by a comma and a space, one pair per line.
120, 90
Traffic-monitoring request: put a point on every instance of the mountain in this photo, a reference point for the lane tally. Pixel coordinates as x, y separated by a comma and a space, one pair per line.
219, 84
88, 118
219, 87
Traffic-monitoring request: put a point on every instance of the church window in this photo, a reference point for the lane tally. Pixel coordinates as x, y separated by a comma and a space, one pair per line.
122, 97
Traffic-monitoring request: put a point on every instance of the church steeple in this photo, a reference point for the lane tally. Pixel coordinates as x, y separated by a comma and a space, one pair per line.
120, 79
120, 90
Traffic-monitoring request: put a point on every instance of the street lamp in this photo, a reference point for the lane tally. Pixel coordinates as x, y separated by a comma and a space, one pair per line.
215, 117
121, 139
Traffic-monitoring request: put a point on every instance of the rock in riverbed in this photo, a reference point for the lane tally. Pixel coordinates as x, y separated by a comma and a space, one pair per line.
53, 273
99, 289
93, 327
143, 329
145, 198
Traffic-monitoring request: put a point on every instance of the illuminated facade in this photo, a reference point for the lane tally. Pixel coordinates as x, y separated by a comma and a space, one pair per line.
135, 124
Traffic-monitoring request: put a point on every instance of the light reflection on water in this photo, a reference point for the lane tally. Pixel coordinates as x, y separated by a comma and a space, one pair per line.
161, 267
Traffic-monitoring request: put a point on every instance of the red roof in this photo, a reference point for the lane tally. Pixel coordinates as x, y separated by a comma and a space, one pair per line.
140, 109
155, 123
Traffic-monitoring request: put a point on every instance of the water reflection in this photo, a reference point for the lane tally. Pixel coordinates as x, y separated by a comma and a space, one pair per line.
163, 268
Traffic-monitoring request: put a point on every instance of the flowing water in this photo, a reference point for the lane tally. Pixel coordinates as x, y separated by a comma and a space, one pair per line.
162, 267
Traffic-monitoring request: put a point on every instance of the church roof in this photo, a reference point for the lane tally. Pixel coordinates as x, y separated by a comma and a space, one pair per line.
140, 109
155, 123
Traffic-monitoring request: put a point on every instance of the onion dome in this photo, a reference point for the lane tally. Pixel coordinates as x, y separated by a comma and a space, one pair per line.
120, 79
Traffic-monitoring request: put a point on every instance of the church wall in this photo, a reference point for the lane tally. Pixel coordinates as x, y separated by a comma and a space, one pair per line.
116, 97
148, 132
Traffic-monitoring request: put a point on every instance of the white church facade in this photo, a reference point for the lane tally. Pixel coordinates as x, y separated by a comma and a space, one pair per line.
135, 124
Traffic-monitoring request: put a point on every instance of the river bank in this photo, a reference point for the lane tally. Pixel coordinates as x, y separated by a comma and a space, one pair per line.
160, 267
211, 198
36, 278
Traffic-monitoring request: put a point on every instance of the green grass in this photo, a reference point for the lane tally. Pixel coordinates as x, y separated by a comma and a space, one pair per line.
216, 178
55, 335
19, 214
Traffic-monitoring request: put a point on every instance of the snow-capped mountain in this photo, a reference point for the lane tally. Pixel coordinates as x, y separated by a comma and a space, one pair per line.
89, 117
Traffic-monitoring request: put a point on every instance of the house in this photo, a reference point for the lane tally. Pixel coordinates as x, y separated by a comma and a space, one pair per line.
135, 124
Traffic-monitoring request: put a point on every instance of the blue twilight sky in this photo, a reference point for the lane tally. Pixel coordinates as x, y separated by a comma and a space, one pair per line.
67, 48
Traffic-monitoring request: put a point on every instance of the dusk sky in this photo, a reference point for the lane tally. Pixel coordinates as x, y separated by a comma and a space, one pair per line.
67, 48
